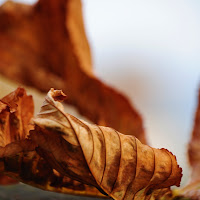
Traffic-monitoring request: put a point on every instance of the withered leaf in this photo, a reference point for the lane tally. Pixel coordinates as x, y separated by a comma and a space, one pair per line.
16, 112
120, 165
49, 40
6, 180
14, 121
18, 158
20, 161
194, 145
192, 189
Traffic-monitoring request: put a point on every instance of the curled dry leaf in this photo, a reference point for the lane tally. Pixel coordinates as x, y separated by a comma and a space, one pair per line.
16, 111
120, 165
20, 161
49, 40
192, 190
14, 121
18, 158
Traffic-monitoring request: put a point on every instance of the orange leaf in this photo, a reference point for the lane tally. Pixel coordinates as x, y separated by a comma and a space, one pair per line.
192, 189
16, 112
14, 121
6, 180
120, 165
194, 146
49, 40
20, 161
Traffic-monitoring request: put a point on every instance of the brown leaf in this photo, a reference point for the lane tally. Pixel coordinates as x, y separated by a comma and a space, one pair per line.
18, 158
49, 40
16, 112
120, 165
194, 145
192, 189
14, 121
6, 180
20, 161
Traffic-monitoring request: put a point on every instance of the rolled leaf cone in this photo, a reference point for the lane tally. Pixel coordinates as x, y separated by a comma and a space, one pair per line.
119, 164
18, 159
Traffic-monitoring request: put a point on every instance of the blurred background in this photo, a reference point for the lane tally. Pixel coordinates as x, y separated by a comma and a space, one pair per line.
150, 51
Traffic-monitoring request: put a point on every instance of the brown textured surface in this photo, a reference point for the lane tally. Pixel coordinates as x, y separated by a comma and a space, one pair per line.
14, 121
45, 46
18, 158
120, 165
20, 161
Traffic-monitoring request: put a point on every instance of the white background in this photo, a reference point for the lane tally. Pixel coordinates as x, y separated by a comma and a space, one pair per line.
150, 50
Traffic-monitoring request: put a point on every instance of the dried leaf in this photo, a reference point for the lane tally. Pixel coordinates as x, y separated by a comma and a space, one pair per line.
6, 180
192, 190
49, 40
120, 165
18, 158
20, 161
16, 112
14, 121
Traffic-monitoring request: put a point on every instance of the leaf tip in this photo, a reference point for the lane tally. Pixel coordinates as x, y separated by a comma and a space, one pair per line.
57, 95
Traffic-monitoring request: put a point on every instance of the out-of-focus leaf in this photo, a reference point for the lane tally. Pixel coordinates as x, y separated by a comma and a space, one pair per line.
6, 180
120, 165
194, 146
45, 46
18, 158
192, 190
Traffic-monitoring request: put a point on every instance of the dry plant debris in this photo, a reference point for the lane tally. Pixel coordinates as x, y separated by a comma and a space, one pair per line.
49, 40
60, 145
14, 121
18, 158
192, 189
58, 152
